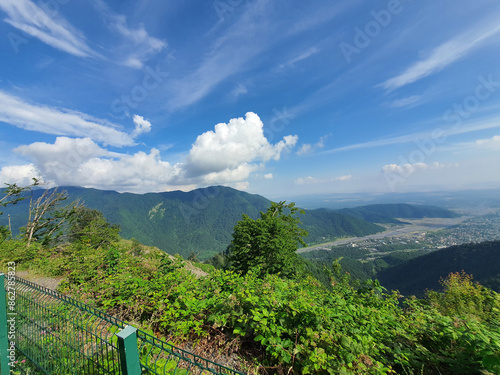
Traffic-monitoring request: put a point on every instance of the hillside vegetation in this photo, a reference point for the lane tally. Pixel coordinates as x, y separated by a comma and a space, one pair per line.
200, 221
415, 276
277, 319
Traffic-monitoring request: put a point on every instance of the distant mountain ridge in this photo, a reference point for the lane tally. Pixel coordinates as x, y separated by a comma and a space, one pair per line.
482, 260
387, 213
202, 220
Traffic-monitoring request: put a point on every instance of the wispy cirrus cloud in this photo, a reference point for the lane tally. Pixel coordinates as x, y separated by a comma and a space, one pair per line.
442, 56
303, 56
53, 29
50, 120
228, 55
489, 123
408, 102
138, 45
257, 30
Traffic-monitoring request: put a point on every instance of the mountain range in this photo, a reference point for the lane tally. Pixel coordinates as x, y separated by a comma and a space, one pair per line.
482, 260
202, 220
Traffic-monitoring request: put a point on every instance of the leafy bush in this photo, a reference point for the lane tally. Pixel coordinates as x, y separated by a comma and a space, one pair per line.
282, 325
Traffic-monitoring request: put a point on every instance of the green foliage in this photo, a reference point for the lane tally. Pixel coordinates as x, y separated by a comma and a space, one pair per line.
282, 325
201, 220
268, 245
13, 193
90, 226
424, 272
4, 233
463, 298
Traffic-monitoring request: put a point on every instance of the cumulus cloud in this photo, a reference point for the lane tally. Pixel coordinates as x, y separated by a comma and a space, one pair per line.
60, 162
304, 149
307, 180
234, 150
227, 155
82, 162
141, 126
408, 169
489, 143
307, 147
347, 177
268, 176
18, 174
49, 120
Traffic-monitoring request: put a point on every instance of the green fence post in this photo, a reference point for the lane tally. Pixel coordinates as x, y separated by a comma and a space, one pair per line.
129, 355
4, 342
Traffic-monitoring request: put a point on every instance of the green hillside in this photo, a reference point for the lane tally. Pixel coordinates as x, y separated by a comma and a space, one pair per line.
415, 276
320, 223
199, 221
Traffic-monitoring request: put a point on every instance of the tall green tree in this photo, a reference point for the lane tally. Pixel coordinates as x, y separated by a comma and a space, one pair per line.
269, 244
91, 227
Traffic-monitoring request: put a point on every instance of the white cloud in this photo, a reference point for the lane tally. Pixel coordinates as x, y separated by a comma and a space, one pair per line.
82, 162
227, 155
231, 150
410, 101
469, 127
303, 56
442, 56
489, 143
60, 162
56, 121
138, 45
239, 90
268, 176
307, 147
347, 177
18, 174
408, 168
52, 30
242, 185
141, 126
304, 149
307, 180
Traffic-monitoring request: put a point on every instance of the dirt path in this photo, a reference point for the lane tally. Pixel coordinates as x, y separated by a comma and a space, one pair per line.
47, 282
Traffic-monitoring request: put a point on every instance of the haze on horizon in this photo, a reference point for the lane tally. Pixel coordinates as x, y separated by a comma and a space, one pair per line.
266, 97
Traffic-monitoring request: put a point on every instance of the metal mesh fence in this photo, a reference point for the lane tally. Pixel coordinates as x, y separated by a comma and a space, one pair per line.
55, 334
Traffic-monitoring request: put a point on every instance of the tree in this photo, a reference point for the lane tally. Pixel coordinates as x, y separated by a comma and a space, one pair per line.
90, 226
13, 193
269, 244
46, 216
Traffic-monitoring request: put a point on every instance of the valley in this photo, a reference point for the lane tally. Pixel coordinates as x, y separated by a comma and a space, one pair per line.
414, 229
432, 233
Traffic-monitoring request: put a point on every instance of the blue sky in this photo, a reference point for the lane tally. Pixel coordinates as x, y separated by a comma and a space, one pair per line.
271, 97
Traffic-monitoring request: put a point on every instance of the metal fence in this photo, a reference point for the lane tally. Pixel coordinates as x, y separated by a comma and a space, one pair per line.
44, 332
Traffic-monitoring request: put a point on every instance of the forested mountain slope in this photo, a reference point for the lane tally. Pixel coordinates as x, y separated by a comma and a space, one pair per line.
415, 276
199, 221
